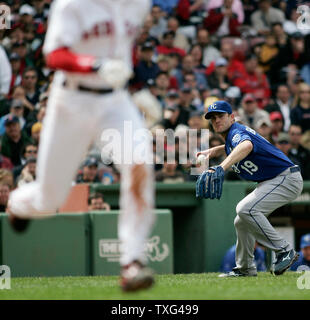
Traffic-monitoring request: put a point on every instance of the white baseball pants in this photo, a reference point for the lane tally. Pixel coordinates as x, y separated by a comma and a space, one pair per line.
251, 222
73, 120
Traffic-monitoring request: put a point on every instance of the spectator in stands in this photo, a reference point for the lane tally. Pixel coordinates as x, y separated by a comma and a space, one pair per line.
305, 73
282, 104
293, 53
28, 173
36, 132
165, 65
237, 7
13, 140
38, 114
223, 21
300, 114
268, 52
283, 143
15, 62
190, 12
18, 93
219, 78
170, 173
304, 254
21, 49
159, 22
249, 112
180, 40
254, 81
89, 172
186, 105
298, 154
263, 127
228, 262
232, 96
278, 31
277, 124
96, 202
4, 196
235, 67
215, 141
263, 18
197, 53
187, 66
162, 83
166, 45
210, 53
6, 177
29, 82
30, 150
170, 117
17, 110
145, 69
195, 120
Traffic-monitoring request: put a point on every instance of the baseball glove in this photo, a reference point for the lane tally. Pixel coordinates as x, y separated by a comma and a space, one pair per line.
210, 183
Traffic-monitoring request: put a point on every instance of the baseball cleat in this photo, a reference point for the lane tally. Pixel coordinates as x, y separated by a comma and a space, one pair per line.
284, 261
136, 276
17, 224
237, 273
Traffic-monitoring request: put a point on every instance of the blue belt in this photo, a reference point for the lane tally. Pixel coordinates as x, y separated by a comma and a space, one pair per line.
294, 169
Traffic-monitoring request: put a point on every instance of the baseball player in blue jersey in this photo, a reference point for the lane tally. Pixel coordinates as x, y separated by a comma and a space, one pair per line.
279, 182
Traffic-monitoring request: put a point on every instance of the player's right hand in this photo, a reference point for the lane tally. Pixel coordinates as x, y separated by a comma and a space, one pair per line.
205, 153
115, 73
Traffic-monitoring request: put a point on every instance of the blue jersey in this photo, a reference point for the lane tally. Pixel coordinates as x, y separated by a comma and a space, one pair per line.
265, 160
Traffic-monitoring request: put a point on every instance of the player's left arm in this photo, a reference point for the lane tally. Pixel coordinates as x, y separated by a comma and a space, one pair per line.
241, 151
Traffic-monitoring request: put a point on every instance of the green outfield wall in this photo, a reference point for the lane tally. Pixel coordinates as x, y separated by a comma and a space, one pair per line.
190, 235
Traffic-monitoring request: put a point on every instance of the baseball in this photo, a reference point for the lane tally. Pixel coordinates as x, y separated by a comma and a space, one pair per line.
201, 159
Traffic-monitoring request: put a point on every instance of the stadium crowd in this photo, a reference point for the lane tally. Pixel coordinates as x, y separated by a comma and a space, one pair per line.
189, 54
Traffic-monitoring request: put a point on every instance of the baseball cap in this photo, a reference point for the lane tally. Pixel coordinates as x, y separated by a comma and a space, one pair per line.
168, 33
195, 113
14, 56
221, 62
16, 103
275, 115
186, 89
26, 9
218, 106
233, 92
91, 162
151, 83
10, 119
147, 46
283, 138
172, 93
305, 241
261, 122
297, 35
248, 97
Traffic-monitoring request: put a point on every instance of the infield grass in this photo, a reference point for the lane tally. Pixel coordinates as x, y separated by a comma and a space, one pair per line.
204, 286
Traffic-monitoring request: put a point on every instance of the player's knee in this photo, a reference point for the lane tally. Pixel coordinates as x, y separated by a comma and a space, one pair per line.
237, 222
241, 209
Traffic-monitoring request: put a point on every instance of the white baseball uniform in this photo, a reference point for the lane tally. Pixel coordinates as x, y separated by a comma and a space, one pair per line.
105, 29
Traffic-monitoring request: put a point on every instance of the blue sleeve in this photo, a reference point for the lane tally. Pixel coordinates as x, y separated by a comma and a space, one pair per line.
239, 136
